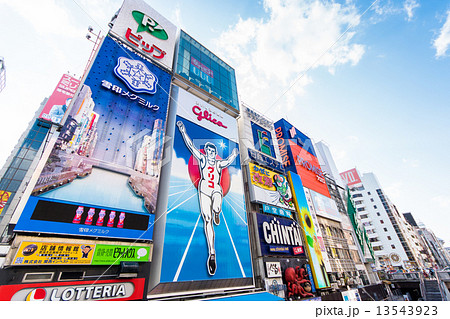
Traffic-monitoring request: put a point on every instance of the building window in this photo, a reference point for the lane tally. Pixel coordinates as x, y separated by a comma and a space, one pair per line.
378, 214
375, 206
368, 193
385, 229
389, 238
393, 246
356, 195
381, 221
361, 209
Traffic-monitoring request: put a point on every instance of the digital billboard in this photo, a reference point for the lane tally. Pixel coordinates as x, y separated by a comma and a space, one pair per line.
101, 177
269, 187
200, 66
312, 244
299, 156
279, 236
262, 140
206, 232
146, 31
325, 206
58, 102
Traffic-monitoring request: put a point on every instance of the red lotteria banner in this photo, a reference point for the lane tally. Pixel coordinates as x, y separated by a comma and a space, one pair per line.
351, 177
130, 289
308, 167
57, 104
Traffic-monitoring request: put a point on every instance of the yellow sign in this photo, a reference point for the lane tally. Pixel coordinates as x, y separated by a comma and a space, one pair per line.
37, 253
262, 177
4, 196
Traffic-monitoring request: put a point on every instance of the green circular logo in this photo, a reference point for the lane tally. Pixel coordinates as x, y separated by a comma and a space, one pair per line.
149, 25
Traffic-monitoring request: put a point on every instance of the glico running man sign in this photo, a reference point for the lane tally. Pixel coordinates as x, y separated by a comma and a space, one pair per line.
206, 235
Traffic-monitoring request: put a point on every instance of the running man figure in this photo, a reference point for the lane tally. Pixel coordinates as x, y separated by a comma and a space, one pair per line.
210, 193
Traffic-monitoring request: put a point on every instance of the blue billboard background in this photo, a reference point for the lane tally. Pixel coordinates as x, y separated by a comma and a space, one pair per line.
262, 140
109, 151
185, 248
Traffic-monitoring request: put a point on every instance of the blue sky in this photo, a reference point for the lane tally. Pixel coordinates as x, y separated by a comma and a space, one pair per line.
379, 97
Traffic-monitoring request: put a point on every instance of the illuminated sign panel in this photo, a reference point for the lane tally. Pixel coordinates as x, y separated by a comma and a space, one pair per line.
206, 233
350, 177
146, 31
262, 140
269, 187
57, 104
198, 65
298, 156
101, 178
312, 243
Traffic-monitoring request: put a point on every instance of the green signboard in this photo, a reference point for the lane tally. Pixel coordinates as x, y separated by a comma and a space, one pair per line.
114, 254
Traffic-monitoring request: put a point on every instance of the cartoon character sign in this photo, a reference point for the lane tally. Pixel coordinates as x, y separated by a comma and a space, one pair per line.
282, 186
210, 191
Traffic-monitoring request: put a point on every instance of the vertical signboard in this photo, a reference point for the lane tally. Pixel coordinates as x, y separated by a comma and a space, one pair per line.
200, 66
206, 233
312, 244
299, 156
4, 197
101, 178
146, 31
57, 104
262, 139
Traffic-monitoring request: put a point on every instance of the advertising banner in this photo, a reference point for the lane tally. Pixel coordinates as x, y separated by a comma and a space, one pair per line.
204, 69
4, 197
101, 178
312, 244
57, 104
262, 139
299, 156
279, 236
127, 289
350, 177
147, 31
50, 253
319, 234
269, 187
325, 206
206, 234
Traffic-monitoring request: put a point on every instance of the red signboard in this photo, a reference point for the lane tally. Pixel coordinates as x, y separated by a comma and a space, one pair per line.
58, 102
351, 177
308, 167
129, 289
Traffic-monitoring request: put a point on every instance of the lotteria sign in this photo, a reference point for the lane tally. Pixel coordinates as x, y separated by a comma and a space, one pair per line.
298, 156
279, 236
146, 31
132, 289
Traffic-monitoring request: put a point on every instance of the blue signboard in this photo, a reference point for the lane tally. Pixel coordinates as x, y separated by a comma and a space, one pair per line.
108, 155
276, 211
262, 140
206, 232
279, 236
265, 160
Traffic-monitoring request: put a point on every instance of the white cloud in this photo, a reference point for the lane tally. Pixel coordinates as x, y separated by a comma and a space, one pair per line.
442, 42
442, 201
411, 162
270, 54
409, 6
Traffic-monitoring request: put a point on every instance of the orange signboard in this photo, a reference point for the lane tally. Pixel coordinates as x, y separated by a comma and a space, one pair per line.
308, 167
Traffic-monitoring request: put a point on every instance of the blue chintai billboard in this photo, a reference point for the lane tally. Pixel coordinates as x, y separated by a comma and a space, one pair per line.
102, 175
206, 232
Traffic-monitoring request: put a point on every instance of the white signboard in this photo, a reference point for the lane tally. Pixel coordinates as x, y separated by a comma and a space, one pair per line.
273, 269
146, 31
